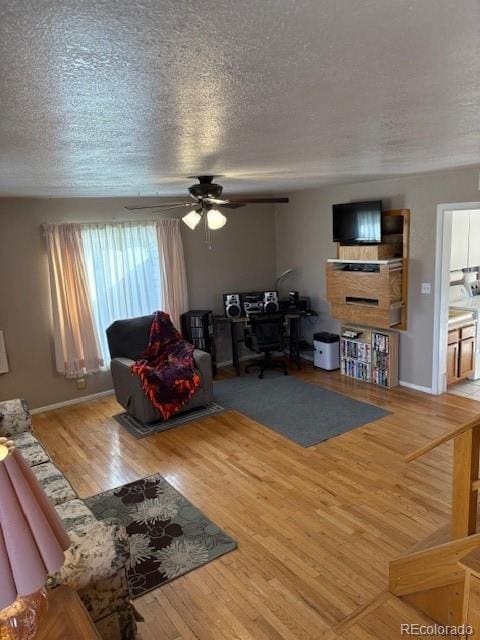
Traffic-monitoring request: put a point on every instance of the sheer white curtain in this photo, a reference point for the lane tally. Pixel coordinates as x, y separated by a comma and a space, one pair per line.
174, 277
124, 272
77, 351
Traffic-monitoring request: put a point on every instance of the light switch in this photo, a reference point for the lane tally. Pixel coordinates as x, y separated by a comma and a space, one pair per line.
426, 288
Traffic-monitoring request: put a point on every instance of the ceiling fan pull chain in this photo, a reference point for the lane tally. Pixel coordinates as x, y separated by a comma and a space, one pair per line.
208, 233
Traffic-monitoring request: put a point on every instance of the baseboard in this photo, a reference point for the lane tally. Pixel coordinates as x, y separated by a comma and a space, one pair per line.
416, 387
67, 403
227, 363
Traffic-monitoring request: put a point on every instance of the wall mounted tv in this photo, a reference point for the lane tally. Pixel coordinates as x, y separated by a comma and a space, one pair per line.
358, 222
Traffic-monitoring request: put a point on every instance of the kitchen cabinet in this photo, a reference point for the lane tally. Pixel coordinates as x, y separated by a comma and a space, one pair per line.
466, 357
452, 363
465, 252
460, 352
460, 240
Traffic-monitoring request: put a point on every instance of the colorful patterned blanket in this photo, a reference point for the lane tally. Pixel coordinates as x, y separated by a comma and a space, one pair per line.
166, 367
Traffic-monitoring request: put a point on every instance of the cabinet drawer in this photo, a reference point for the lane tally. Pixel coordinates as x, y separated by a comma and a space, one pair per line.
371, 316
467, 332
453, 336
382, 288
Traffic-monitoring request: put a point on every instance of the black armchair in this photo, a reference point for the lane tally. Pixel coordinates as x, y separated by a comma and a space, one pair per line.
266, 335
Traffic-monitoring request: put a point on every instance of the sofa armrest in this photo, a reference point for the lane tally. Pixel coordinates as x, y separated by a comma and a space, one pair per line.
95, 566
129, 391
203, 362
97, 552
14, 418
125, 383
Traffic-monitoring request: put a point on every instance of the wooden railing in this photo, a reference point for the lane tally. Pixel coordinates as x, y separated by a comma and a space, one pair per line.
465, 482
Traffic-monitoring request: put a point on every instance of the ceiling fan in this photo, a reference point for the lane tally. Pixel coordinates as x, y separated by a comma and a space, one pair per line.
208, 198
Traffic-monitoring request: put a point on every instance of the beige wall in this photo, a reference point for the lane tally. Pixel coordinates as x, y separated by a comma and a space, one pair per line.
242, 257
304, 232
246, 254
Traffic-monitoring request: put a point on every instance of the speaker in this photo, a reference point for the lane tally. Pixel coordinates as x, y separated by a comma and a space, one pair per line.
233, 307
253, 303
270, 302
293, 298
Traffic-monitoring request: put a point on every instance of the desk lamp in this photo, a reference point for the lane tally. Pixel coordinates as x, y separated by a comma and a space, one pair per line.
283, 275
32, 542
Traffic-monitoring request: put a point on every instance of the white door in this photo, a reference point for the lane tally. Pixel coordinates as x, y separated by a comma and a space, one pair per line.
474, 239
460, 240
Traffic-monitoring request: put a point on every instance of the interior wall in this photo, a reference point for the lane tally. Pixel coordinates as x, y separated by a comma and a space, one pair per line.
304, 241
253, 247
242, 257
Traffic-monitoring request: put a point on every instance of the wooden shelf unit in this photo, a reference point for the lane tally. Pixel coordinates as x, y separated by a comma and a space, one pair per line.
372, 356
401, 241
378, 295
367, 252
197, 328
374, 295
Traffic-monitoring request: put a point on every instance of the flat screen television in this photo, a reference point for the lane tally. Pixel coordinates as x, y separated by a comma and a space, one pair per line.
358, 222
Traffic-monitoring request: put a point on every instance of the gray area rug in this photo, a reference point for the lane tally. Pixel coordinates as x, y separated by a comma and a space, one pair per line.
141, 430
304, 412
167, 535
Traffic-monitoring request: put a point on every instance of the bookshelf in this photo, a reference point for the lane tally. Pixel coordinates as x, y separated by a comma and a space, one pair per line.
197, 328
370, 355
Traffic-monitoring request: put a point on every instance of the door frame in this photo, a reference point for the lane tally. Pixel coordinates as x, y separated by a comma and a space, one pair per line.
442, 284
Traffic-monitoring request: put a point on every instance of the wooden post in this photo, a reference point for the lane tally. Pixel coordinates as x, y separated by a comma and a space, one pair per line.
466, 448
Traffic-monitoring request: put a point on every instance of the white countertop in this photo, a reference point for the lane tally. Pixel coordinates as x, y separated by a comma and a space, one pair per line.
459, 316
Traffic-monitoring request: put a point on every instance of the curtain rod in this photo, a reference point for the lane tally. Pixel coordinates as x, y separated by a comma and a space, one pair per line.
142, 221
44, 225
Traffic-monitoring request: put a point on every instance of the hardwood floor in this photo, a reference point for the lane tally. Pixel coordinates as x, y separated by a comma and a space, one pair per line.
315, 526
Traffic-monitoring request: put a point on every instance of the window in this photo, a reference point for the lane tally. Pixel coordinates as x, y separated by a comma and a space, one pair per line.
123, 271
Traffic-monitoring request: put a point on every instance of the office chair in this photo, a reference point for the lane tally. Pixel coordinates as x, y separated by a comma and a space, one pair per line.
266, 335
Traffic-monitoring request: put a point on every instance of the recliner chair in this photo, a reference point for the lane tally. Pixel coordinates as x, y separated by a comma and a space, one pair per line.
127, 339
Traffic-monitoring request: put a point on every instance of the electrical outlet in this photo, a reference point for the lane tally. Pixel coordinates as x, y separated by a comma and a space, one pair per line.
426, 288
81, 383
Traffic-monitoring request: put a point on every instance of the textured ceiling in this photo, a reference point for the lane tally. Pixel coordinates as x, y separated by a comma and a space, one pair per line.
104, 97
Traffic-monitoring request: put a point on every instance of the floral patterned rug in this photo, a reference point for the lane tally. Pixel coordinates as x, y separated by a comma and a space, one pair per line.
168, 536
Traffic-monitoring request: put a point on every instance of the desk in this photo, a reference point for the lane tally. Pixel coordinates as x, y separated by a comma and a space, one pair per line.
293, 318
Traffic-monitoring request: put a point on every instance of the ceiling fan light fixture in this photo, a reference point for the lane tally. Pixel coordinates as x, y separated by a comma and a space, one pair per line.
215, 219
192, 219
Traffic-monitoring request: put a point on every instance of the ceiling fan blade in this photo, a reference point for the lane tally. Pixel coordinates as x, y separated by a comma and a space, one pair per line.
215, 201
232, 205
258, 200
166, 205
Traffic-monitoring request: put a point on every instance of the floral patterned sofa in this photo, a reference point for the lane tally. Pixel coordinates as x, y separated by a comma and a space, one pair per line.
96, 561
